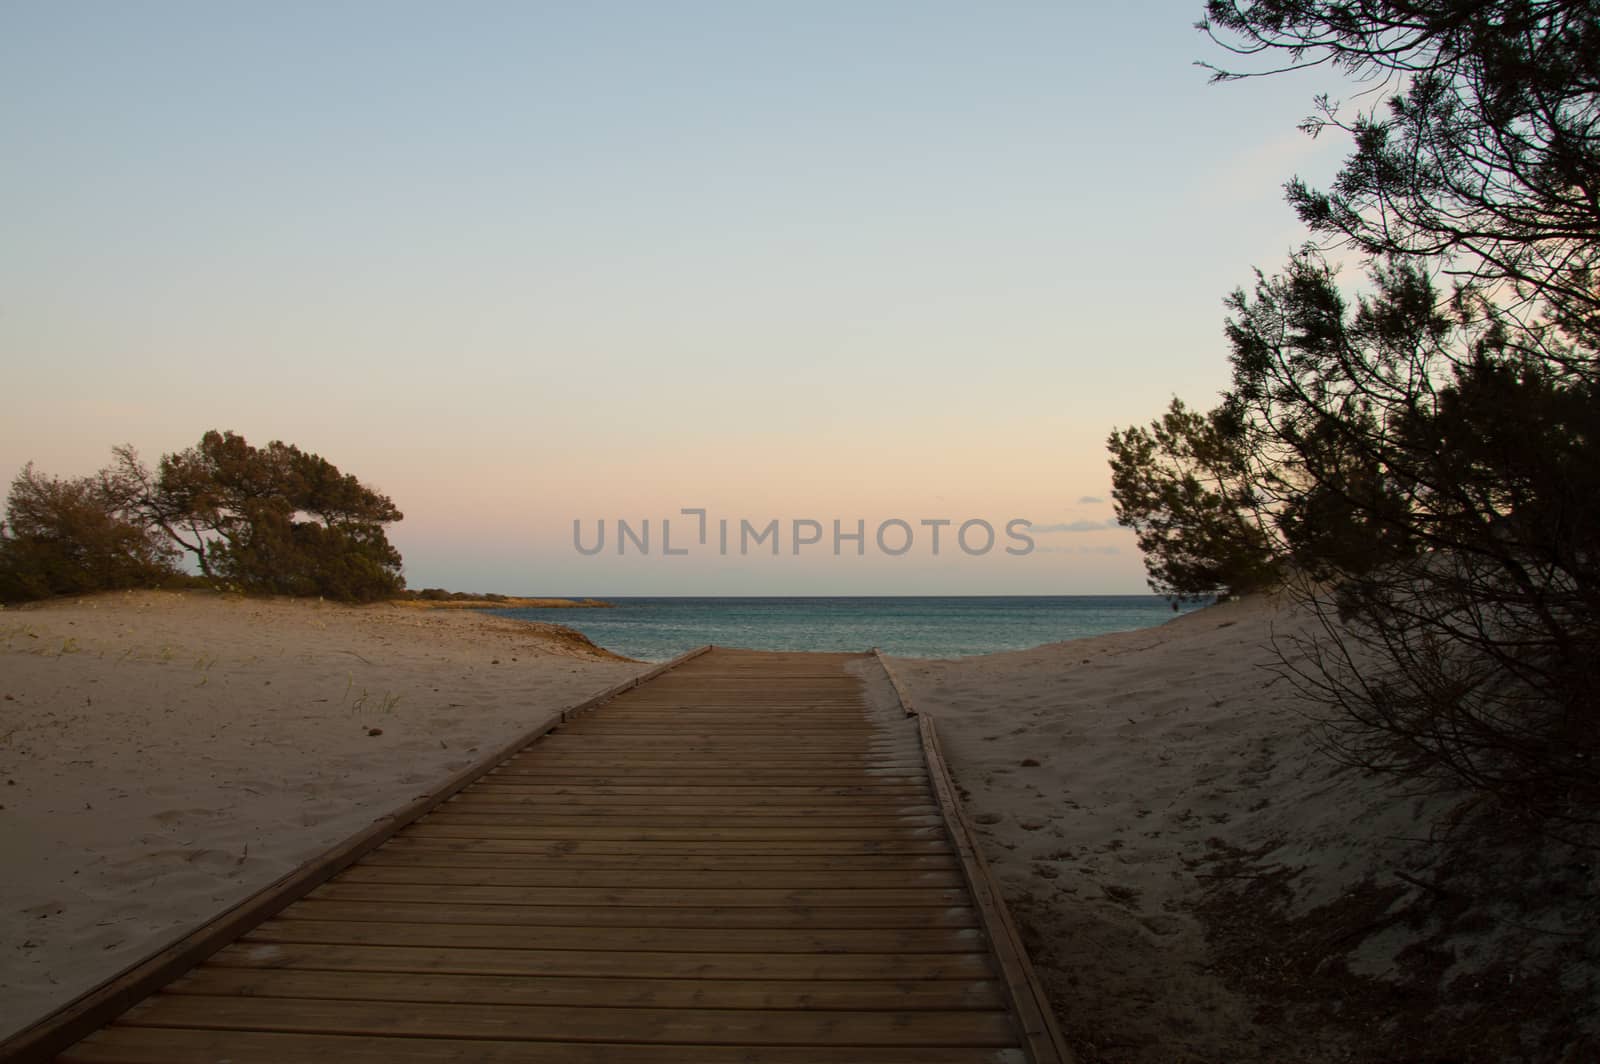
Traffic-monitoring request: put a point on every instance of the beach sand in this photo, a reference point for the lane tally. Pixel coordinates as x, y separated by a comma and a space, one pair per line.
165, 754
1195, 879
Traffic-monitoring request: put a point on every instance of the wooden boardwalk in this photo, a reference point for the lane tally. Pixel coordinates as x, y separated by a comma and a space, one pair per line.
740, 860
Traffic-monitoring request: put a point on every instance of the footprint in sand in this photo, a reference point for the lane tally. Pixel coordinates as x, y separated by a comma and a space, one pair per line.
1162, 925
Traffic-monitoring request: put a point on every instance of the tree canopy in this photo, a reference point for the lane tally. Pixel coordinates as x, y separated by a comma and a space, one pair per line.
271, 519
275, 519
1484, 157
1420, 459
68, 536
1180, 485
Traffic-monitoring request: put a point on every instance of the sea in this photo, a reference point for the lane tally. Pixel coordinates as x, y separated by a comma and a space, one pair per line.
655, 629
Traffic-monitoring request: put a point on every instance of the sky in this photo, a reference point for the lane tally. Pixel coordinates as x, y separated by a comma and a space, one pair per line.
521, 265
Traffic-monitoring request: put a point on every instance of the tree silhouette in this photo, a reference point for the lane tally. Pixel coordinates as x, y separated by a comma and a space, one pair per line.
1423, 459
1180, 485
1484, 157
272, 519
63, 537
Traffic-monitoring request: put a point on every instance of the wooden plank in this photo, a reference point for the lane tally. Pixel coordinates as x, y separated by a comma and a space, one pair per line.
803, 852
417, 903
753, 701
860, 996
544, 805
155, 1045
746, 714
759, 705
745, 719
826, 676
741, 794
482, 856
705, 694
490, 813
895, 809
249, 952
675, 775
765, 749
764, 689
59, 1029
764, 682
506, 935
160, 1046
752, 704
872, 798
767, 754
551, 805
709, 834
648, 736
732, 773
471, 834
665, 1026
588, 803
729, 731
900, 693
751, 748
772, 759
770, 766
740, 797
764, 685
655, 878
821, 671
688, 776
932, 897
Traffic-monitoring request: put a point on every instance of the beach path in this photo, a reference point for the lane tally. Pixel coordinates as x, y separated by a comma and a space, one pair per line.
751, 857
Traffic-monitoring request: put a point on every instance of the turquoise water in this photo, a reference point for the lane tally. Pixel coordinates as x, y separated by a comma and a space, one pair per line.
654, 629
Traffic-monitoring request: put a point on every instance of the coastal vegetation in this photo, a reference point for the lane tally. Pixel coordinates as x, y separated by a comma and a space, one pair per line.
438, 598
271, 520
1414, 454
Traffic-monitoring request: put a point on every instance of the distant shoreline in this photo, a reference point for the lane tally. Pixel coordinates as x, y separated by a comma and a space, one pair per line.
478, 602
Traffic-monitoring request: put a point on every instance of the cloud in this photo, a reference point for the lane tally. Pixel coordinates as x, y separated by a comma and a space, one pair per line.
1073, 526
1090, 500
1047, 549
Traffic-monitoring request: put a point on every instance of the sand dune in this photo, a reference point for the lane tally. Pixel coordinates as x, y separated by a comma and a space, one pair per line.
1198, 881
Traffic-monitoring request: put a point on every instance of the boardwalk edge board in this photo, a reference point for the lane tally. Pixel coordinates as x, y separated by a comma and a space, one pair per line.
1042, 1037
95, 1008
900, 692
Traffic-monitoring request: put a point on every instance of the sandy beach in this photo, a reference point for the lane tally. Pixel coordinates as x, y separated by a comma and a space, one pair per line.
165, 754
1195, 879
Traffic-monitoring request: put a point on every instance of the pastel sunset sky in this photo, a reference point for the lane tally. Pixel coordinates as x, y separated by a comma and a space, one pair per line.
521, 264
